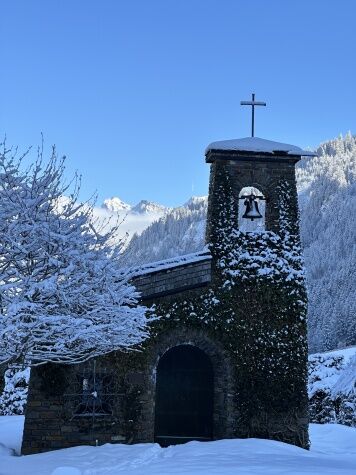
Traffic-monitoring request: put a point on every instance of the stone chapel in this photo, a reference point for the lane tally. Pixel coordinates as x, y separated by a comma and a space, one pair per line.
228, 356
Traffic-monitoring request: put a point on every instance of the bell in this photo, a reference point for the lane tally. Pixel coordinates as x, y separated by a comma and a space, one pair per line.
252, 212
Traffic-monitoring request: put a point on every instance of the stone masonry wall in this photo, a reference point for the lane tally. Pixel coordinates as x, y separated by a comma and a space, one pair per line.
174, 279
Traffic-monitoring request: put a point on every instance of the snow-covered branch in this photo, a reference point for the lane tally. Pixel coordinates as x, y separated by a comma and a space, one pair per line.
64, 297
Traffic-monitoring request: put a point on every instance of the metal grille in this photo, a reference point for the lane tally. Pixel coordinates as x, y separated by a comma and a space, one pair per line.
93, 394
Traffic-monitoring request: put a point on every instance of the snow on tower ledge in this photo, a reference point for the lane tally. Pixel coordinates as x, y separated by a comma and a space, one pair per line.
258, 145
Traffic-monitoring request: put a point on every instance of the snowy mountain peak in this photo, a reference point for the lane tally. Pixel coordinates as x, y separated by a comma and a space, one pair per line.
148, 207
195, 201
114, 205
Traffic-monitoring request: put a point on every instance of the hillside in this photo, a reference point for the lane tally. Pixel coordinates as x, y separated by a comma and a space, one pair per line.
327, 185
327, 195
180, 231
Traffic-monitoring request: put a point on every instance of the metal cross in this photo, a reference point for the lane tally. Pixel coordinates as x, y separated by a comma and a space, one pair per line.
252, 103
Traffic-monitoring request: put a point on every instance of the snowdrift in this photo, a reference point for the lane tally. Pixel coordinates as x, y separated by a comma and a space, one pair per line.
333, 451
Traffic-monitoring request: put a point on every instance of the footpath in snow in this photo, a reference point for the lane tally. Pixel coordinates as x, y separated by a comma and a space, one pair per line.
333, 451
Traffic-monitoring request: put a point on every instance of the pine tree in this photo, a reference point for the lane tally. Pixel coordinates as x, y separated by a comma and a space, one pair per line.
14, 397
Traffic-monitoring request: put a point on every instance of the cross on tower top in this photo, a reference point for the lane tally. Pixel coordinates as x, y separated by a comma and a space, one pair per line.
252, 103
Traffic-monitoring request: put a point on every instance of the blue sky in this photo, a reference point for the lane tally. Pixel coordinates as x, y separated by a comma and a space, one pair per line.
133, 91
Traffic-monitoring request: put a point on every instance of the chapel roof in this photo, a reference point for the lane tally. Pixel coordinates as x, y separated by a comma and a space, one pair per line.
171, 263
258, 145
172, 276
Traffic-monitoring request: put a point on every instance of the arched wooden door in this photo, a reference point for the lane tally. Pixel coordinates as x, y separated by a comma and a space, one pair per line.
184, 396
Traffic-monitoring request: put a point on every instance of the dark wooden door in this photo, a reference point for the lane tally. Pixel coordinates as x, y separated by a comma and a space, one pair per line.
184, 396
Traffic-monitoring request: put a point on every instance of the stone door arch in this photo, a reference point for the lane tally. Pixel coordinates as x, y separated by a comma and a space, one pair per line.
184, 399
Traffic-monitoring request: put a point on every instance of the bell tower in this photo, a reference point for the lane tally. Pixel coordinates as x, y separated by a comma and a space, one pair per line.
260, 271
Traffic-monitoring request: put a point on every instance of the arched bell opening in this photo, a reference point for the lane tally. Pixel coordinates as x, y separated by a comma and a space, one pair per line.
252, 210
184, 396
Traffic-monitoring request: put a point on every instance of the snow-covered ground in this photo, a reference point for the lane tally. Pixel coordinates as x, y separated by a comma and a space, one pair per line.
333, 371
333, 451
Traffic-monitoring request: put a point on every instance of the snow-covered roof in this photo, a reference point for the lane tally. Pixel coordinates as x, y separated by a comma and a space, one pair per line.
170, 263
258, 145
